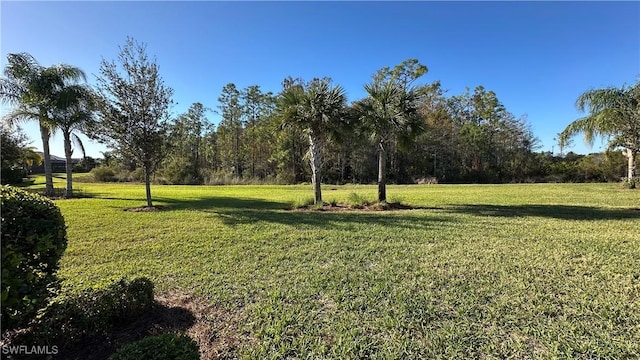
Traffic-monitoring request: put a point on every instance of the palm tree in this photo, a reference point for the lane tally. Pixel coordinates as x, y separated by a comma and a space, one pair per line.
30, 156
73, 112
32, 88
389, 112
317, 109
615, 113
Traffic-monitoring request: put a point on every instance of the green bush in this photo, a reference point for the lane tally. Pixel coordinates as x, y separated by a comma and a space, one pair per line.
161, 347
34, 237
103, 174
12, 175
395, 199
302, 202
357, 201
136, 175
88, 313
631, 183
85, 164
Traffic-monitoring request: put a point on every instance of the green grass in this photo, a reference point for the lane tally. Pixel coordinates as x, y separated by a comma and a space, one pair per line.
480, 271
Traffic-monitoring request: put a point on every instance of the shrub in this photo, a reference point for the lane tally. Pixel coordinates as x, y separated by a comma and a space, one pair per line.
34, 238
427, 180
85, 164
88, 313
136, 175
161, 347
12, 175
285, 178
631, 183
396, 199
103, 174
357, 201
302, 203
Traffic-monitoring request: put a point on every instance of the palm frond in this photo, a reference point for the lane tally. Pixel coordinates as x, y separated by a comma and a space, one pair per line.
69, 73
76, 140
317, 107
21, 66
612, 112
595, 101
10, 92
30, 156
390, 110
20, 115
585, 125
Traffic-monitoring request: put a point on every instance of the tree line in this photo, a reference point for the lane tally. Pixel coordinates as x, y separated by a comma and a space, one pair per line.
405, 130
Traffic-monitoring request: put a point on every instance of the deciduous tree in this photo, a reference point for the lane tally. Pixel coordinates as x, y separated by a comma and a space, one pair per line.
134, 108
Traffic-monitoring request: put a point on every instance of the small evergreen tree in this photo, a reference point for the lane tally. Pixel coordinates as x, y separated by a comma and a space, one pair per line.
134, 108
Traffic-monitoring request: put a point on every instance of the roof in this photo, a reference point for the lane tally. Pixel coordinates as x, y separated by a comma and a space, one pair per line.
58, 158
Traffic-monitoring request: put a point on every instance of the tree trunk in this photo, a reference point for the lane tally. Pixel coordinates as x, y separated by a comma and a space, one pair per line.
236, 150
147, 183
46, 134
314, 152
382, 173
631, 161
342, 167
68, 164
293, 158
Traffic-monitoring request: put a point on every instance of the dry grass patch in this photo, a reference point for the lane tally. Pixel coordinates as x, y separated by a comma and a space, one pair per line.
216, 330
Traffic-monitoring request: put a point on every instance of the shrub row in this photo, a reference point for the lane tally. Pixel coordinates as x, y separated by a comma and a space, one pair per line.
116, 174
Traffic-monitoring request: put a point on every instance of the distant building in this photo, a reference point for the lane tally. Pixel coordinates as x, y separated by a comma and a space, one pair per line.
58, 165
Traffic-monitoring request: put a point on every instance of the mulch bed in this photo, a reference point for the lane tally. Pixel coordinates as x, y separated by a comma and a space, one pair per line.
365, 207
146, 208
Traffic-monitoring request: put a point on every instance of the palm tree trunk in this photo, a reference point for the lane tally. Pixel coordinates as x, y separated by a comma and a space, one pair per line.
147, 183
342, 167
45, 134
382, 173
314, 152
631, 164
68, 165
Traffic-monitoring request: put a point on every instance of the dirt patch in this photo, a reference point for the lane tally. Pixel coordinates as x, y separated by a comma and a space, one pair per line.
363, 207
146, 208
217, 331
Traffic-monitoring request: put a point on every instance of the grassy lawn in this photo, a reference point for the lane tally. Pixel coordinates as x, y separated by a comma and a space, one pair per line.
481, 271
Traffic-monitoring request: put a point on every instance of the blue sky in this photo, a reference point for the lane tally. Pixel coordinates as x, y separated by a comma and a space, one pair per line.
537, 56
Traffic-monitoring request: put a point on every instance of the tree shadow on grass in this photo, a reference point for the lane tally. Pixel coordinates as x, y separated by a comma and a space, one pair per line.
59, 193
247, 211
563, 212
213, 203
160, 319
340, 220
